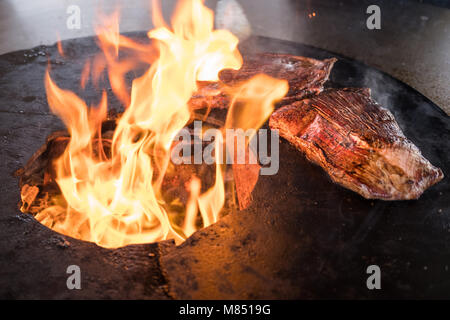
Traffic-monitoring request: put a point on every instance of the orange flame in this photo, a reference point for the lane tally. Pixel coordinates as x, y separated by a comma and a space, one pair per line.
115, 199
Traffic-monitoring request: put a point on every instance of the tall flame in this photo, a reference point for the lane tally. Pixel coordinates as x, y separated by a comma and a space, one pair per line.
115, 199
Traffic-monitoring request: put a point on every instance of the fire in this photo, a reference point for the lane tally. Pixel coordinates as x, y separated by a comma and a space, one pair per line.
112, 188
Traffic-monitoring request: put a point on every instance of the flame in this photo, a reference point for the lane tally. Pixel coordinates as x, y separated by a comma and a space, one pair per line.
112, 188
59, 45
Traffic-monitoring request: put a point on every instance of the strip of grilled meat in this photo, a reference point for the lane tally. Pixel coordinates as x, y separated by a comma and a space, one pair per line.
305, 76
358, 143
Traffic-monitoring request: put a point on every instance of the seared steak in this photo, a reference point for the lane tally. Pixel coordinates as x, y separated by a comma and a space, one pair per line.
358, 143
305, 76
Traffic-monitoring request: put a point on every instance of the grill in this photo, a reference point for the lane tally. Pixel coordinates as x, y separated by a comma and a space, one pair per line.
302, 237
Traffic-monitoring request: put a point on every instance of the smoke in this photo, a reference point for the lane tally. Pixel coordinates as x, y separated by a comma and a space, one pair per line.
231, 16
382, 88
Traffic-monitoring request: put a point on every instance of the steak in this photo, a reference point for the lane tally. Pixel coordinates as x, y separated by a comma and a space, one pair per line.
305, 76
358, 143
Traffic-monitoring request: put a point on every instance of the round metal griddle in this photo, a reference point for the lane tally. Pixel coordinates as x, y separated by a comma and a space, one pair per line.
302, 237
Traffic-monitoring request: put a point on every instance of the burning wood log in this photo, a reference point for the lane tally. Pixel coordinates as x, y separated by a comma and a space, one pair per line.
39, 189
35, 178
245, 176
358, 143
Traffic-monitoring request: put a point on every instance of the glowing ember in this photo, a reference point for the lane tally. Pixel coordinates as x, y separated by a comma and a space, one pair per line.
115, 199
